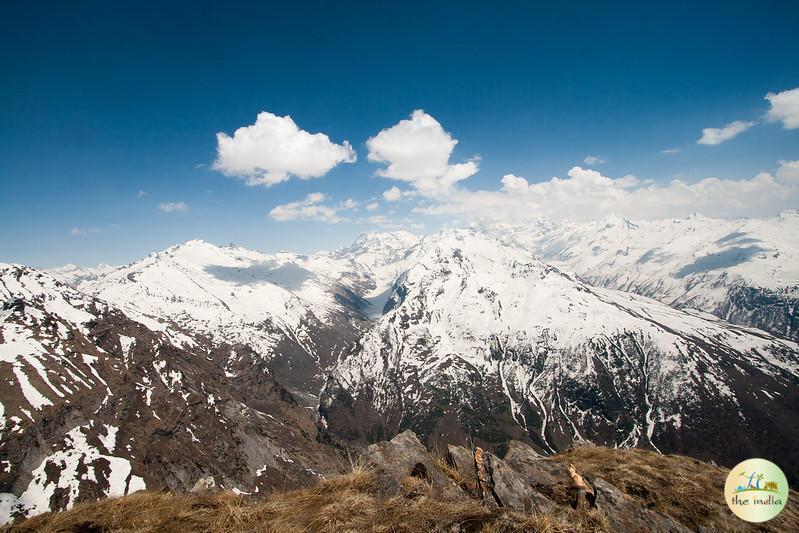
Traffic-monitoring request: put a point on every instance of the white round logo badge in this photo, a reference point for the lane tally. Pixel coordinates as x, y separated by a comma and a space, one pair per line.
756, 490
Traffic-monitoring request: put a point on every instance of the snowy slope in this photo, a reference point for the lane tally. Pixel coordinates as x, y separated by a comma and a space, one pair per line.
290, 315
484, 340
493, 333
95, 403
383, 256
745, 271
74, 275
47, 360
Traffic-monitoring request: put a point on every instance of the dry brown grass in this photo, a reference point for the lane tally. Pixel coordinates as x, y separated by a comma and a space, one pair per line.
340, 504
688, 490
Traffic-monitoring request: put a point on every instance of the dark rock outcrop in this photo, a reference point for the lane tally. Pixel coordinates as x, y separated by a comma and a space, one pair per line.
625, 514
547, 477
403, 463
511, 489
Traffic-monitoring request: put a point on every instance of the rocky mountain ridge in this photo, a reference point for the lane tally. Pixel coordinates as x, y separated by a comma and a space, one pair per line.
262, 370
482, 341
744, 271
95, 403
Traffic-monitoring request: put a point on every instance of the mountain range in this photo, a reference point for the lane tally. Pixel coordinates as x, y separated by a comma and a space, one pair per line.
268, 370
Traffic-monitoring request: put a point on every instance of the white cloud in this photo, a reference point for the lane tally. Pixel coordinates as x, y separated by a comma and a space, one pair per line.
312, 208
417, 151
671, 151
392, 195
386, 223
511, 182
588, 194
593, 160
374, 206
788, 172
377, 219
714, 136
785, 107
274, 149
141, 194
173, 207
80, 232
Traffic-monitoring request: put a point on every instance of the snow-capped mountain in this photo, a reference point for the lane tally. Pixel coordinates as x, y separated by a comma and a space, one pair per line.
484, 341
296, 311
745, 271
382, 255
75, 275
381, 258
95, 403
205, 360
293, 317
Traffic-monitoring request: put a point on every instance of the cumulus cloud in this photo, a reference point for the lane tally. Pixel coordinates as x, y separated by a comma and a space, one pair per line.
417, 151
384, 222
593, 160
714, 136
313, 207
374, 206
788, 171
274, 149
141, 193
785, 108
588, 194
392, 195
80, 232
511, 182
173, 207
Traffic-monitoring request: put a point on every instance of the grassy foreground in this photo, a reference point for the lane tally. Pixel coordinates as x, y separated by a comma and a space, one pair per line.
688, 490
683, 488
342, 503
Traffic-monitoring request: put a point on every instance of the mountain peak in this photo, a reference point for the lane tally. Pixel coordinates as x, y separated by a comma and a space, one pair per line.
616, 221
399, 237
788, 214
196, 243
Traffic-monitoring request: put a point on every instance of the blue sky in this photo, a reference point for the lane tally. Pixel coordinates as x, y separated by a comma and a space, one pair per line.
100, 101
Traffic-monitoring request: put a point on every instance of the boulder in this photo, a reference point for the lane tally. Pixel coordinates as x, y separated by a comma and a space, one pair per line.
505, 487
626, 514
404, 466
511, 490
548, 477
204, 485
461, 460
522, 450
